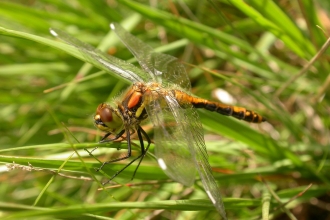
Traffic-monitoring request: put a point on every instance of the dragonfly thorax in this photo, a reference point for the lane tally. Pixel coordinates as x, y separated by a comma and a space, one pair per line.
108, 119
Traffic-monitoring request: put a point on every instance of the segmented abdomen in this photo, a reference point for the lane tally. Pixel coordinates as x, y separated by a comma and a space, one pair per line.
234, 111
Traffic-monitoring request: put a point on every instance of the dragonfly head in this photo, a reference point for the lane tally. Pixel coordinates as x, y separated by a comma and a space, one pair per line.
107, 119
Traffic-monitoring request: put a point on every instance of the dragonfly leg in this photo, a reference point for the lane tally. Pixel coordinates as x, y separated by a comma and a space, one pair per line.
140, 132
104, 141
90, 152
129, 151
144, 151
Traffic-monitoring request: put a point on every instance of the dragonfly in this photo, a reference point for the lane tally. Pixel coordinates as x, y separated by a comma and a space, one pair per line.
160, 92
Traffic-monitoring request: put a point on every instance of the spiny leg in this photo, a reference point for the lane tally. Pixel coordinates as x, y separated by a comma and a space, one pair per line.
90, 152
143, 153
129, 151
104, 141
143, 150
105, 136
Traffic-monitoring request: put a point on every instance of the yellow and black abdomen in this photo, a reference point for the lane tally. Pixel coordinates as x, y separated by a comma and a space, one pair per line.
234, 111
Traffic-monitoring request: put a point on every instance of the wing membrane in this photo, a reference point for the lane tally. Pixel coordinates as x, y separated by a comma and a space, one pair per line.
103, 60
201, 159
179, 131
163, 68
171, 148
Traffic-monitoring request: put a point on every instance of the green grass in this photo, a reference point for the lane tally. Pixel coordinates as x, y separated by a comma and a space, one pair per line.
252, 50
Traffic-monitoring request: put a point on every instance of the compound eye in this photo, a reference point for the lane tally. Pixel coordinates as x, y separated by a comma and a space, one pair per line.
103, 114
106, 119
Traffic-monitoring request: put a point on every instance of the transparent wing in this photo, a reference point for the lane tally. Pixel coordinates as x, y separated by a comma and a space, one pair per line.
103, 60
172, 151
194, 126
179, 138
163, 68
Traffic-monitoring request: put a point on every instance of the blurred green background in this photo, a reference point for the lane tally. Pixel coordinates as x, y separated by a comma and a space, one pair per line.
259, 52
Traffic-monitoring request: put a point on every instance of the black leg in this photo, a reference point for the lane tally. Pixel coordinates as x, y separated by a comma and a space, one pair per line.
140, 132
105, 136
129, 151
144, 151
90, 152
104, 141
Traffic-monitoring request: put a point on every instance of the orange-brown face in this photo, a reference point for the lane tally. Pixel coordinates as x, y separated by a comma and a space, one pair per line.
107, 119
